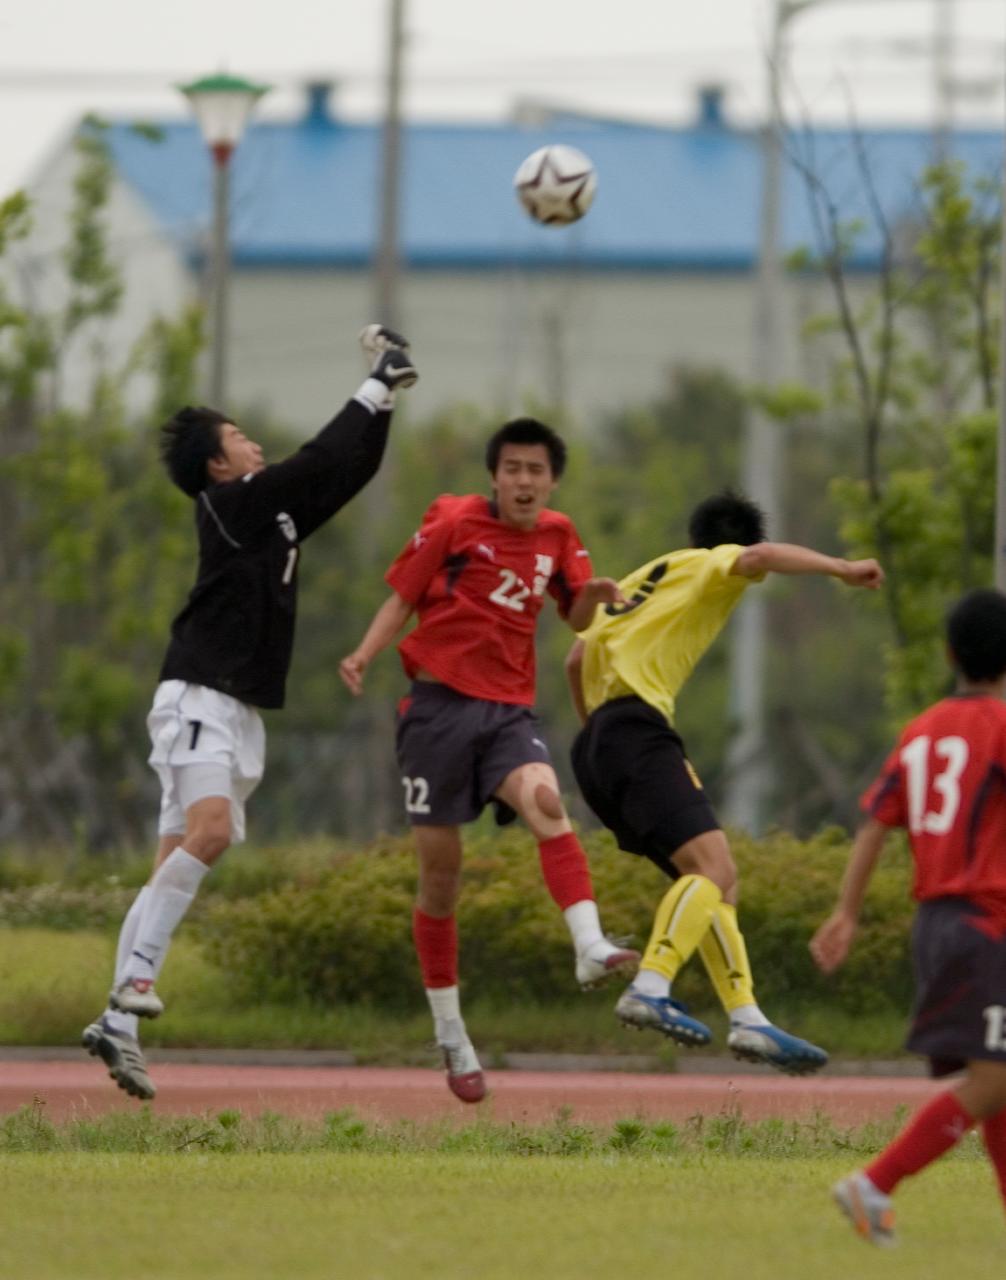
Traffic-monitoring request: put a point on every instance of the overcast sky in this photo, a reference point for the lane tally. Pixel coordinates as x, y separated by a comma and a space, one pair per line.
641, 59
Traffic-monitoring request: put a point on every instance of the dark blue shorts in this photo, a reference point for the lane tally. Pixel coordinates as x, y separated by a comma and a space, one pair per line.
454, 751
960, 996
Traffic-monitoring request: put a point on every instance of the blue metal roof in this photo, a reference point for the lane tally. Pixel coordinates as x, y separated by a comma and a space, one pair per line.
305, 193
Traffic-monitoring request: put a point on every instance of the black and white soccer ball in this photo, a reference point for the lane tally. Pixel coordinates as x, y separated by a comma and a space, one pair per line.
556, 184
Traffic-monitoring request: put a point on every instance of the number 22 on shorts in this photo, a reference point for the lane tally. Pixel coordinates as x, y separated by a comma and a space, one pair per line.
417, 792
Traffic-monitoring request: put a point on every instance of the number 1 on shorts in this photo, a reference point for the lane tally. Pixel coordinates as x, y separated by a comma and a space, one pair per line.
995, 1028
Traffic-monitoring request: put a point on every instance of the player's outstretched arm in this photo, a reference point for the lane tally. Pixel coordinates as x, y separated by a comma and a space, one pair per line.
594, 591
831, 943
331, 469
574, 678
788, 557
390, 618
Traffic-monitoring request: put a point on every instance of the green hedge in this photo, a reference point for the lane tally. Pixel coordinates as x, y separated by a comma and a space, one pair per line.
343, 933
64, 907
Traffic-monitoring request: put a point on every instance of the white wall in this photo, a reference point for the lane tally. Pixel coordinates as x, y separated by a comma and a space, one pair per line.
157, 282
591, 343
506, 341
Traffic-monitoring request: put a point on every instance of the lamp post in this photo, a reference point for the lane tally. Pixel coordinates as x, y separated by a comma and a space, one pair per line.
222, 106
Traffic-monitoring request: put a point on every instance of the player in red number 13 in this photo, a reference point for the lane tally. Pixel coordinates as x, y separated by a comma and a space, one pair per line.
946, 782
476, 572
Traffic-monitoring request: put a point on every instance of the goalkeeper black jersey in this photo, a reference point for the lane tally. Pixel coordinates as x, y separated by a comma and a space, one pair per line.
235, 632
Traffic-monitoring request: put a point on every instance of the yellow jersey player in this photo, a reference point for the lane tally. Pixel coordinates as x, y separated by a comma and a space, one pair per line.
625, 673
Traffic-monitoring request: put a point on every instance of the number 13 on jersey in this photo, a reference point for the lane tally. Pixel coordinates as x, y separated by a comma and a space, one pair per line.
951, 756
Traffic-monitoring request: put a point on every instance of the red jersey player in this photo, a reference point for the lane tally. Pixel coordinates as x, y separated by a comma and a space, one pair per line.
946, 782
476, 572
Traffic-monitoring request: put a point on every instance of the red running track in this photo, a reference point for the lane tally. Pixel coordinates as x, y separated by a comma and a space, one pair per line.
71, 1089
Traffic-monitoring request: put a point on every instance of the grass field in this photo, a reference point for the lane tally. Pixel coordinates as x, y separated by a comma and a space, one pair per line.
363, 1216
52, 983
226, 1197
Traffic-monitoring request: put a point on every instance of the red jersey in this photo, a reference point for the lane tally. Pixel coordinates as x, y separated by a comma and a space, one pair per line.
478, 586
946, 782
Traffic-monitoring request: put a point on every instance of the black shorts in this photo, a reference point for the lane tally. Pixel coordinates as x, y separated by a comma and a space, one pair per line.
960, 995
632, 769
454, 751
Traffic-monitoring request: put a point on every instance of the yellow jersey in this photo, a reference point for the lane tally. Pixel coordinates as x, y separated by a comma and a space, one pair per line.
677, 606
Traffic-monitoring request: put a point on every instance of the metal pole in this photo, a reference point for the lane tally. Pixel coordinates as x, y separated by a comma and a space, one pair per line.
377, 495
219, 273
386, 263
383, 799
748, 764
943, 77
387, 247
1000, 547
943, 107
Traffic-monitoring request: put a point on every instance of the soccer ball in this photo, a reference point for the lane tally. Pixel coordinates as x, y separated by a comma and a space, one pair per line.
556, 185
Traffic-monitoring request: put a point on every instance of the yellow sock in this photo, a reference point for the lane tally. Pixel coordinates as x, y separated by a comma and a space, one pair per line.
683, 916
726, 959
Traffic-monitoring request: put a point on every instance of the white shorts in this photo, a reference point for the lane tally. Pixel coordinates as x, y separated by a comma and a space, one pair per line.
203, 743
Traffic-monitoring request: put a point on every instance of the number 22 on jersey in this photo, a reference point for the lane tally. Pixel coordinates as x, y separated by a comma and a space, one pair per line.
511, 592
950, 758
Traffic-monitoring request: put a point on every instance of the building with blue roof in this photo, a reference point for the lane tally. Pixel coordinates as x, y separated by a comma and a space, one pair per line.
502, 312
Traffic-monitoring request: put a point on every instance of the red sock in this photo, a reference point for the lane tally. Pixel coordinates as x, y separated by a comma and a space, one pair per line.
932, 1131
564, 866
994, 1133
436, 939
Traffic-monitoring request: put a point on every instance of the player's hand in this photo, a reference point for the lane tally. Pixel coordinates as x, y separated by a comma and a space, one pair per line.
351, 670
863, 573
603, 591
830, 944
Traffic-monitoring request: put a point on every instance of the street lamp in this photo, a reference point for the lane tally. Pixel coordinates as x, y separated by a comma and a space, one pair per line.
222, 106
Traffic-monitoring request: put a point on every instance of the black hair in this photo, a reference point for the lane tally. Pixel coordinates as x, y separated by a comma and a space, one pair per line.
527, 431
726, 517
188, 441
976, 634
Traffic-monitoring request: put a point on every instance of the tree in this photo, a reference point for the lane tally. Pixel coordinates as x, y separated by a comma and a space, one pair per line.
87, 517
915, 392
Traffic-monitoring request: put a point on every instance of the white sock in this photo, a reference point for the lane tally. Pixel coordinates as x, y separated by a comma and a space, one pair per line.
445, 1002
129, 1023
445, 1005
127, 934
375, 396
584, 926
126, 1023
748, 1015
169, 896
650, 983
